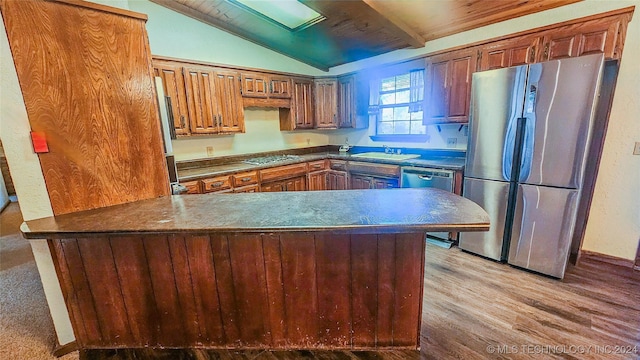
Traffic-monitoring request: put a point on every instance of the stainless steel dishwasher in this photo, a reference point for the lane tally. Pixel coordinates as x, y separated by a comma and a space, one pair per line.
419, 177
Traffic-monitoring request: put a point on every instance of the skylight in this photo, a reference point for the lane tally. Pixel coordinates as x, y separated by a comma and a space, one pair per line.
291, 14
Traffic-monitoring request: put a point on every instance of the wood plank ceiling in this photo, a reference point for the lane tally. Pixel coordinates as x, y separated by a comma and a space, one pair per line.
358, 29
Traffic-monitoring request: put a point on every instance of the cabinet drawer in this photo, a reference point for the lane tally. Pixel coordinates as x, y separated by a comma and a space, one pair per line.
193, 187
317, 165
246, 178
283, 172
246, 189
374, 169
338, 165
216, 184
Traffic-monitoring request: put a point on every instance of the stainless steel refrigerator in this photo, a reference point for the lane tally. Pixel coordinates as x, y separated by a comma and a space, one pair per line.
529, 132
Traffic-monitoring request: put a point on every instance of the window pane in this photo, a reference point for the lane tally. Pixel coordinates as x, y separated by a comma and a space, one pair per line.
403, 81
418, 128
388, 84
402, 97
401, 113
402, 127
385, 127
386, 99
416, 115
387, 114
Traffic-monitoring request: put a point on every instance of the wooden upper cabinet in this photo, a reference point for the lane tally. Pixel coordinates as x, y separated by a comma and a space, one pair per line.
303, 104
228, 95
347, 101
589, 37
262, 85
448, 86
509, 52
201, 101
279, 87
326, 94
214, 100
173, 85
254, 85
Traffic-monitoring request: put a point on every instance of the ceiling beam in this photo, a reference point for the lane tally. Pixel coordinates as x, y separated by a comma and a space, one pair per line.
402, 30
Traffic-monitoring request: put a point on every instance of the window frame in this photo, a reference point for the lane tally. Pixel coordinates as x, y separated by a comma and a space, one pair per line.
375, 109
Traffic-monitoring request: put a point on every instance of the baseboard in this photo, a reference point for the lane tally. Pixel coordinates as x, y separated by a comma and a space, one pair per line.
62, 350
586, 254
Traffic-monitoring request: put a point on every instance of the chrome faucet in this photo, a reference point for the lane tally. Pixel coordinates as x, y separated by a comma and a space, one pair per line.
386, 149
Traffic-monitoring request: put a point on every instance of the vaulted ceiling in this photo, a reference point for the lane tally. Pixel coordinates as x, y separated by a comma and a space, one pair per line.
358, 29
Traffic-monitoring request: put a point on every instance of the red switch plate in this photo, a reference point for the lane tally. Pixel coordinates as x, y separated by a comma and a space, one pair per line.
39, 141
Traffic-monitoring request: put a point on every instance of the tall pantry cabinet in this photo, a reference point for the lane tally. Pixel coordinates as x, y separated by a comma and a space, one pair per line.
87, 83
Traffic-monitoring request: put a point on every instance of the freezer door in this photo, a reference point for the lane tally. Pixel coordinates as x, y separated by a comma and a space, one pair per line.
497, 98
492, 196
543, 228
559, 107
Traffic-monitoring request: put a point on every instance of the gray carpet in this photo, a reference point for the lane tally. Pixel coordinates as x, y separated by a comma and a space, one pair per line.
26, 329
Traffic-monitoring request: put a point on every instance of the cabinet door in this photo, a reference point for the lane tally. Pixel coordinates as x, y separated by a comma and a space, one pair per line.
384, 183
361, 182
326, 104
173, 86
254, 85
298, 183
272, 186
347, 101
590, 37
336, 180
318, 180
449, 86
510, 52
302, 105
230, 111
203, 108
280, 87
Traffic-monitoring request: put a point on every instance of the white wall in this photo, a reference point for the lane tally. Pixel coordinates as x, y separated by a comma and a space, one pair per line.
29, 182
614, 223
262, 134
176, 35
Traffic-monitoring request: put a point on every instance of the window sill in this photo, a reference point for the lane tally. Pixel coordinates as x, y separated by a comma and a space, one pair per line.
401, 138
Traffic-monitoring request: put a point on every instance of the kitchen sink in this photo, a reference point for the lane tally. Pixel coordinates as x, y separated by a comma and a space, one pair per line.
386, 156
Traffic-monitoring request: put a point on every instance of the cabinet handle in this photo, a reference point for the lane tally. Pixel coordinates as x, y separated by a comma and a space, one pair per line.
245, 179
219, 120
182, 122
546, 52
532, 55
217, 184
317, 166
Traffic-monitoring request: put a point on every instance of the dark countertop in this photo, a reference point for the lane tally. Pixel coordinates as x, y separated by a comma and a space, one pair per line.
440, 162
338, 211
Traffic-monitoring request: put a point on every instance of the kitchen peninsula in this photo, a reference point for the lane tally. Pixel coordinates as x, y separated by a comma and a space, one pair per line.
284, 270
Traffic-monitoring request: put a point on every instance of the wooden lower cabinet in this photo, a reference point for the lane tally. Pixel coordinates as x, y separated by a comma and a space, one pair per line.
298, 183
317, 181
193, 187
372, 182
247, 189
336, 180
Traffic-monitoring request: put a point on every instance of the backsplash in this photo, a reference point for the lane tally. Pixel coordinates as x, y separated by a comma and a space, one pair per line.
452, 137
262, 134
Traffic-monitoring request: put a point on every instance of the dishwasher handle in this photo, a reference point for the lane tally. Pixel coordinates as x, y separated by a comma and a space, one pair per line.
425, 177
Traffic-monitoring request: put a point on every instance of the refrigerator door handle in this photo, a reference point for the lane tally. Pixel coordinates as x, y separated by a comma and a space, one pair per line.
518, 150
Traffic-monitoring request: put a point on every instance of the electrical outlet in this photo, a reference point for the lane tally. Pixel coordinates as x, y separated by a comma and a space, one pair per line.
636, 149
209, 151
452, 142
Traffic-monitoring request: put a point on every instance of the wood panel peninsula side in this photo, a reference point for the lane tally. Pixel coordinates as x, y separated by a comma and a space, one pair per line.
291, 270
